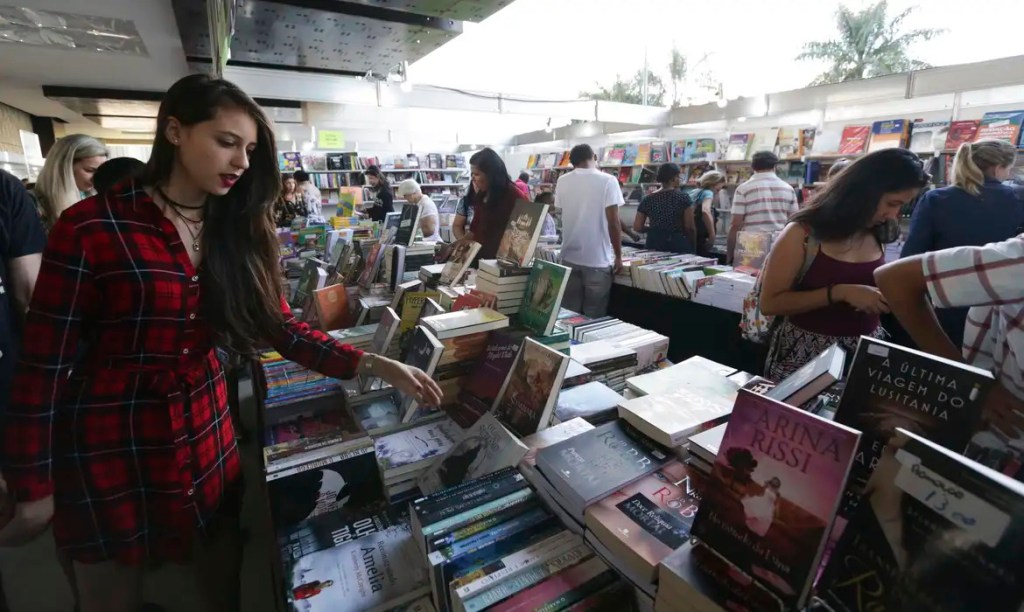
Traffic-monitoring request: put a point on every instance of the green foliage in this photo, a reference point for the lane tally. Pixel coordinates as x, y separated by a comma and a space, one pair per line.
631, 91
677, 72
870, 44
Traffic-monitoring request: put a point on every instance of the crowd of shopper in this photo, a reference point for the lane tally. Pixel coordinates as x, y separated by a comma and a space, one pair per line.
115, 422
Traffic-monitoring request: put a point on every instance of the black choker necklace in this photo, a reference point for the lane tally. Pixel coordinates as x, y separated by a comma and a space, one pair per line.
176, 204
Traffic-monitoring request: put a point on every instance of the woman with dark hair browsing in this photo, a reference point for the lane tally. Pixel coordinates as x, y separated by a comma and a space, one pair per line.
667, 215
118, 426
492, 194
819, 274
383, 198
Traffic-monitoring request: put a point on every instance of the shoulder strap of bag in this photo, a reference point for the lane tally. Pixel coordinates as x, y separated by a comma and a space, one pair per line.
811, 247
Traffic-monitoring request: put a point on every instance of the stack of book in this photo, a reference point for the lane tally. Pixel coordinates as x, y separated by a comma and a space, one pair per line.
403, 263
506, 284
464, 336
403, 456
696, 373
725, 290
608, 364
593, 401
669, 275
289, 383
650, 347
358, 337
490, 544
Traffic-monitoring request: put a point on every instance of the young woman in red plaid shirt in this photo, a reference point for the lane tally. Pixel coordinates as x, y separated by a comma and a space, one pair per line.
118, 426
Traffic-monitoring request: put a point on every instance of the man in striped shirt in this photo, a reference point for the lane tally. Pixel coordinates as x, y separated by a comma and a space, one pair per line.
763, 203
989, 279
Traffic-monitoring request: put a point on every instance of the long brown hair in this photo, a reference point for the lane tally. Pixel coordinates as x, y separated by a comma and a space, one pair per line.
240, 284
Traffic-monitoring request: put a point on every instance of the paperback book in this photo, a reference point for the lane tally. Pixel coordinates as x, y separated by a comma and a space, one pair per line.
644, 522
424, 352
936, 531
481, 391
543, 296
381, 342
671, 418
961, 132
458, 263
589, 466
593, 401
854, 139
774, 490
888, 134
812, 378
527, 398
484, 448
408, 225
376, 572
520, 239
329, 530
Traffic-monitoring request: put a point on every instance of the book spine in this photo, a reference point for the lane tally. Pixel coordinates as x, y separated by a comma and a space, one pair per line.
581, 592
440, 498
526, 579
514, 564
493, 550
468, 499
481, 525
305, 467
474, 514
479, 540
543, 592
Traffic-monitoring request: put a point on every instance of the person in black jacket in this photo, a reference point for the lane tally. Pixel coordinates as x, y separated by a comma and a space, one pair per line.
383, 198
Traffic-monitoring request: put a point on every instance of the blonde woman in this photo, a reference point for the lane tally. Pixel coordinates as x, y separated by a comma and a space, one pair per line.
709, 185
66, 177
975, 210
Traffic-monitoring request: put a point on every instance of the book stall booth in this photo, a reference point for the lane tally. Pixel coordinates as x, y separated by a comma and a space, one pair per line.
629, 462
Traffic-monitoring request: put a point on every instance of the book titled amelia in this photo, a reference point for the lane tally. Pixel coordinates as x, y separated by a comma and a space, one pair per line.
775, 487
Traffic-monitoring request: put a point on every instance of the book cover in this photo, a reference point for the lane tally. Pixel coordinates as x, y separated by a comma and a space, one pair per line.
408, 224
891, 386
812, 378
593, 401
704, 148
424, 352
379, 571
1001, 126
854, 139
738, 146
643, 154
751, 251
764, 140
520, 238
707, 443
381, 342
543, 296
484, 448
671, 418
289, 161
414, 446
591, 465
659, 153
329, 530
547, 437
696, 374
464, 322
332, 307
644, 522
888, 134
412, 304
344, 484
807, 140
774, 490
528, 395
459, 261
928, 136
961, 132
936, 531
293, 437
487, 378
467, 301
788, 146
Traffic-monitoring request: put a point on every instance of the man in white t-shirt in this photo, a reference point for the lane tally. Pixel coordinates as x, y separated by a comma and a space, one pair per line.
409, 190
591, 232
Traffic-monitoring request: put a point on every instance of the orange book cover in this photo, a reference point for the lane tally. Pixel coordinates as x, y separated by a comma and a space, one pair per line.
332, 307
854, 139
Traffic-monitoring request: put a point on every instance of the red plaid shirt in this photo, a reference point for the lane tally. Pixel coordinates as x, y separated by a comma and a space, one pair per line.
119, 407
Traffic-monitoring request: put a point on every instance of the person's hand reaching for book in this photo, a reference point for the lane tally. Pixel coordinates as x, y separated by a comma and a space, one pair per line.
409, 380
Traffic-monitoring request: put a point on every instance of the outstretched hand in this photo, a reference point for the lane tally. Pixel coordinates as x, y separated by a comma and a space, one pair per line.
410, 380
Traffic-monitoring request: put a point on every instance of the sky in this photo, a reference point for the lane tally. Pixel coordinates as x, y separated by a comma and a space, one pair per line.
553, 49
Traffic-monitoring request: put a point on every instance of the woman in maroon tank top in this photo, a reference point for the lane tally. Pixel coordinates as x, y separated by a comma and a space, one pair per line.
847, 223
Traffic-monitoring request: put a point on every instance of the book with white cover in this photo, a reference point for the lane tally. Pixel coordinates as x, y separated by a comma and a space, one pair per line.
671, 418
484, 448
464, 322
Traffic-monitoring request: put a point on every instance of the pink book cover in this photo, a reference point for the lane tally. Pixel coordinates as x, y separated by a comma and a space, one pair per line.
543, 592
774, 491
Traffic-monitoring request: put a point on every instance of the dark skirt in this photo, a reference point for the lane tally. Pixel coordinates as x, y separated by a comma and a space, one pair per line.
660, 239
791, 347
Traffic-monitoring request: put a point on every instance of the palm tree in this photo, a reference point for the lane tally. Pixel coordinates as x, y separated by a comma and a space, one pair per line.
630, 91
870, 44
677, 72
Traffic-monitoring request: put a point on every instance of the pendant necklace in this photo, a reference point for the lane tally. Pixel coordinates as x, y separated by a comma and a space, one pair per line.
189, 222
